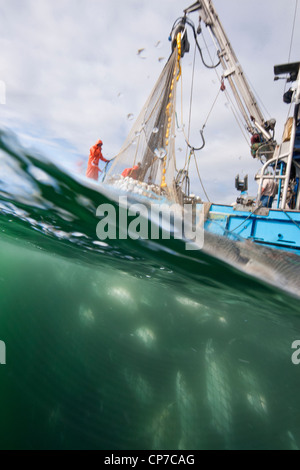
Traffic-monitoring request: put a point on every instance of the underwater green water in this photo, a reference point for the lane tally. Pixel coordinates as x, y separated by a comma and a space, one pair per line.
131, 345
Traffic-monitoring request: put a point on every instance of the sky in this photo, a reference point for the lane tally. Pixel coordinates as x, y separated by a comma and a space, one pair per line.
70, 74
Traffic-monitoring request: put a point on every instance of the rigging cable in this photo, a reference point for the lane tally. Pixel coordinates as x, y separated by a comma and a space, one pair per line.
234, 109
292, 38
187, 138
183, 21
213, 66
192, 149
293, 31
212, 108
200, 179
294, 221
246, 220
257, 96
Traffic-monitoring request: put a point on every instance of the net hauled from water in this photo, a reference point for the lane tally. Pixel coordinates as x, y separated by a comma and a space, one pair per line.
146, 163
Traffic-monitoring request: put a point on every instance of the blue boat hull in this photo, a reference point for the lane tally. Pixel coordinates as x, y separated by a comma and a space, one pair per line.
274, 228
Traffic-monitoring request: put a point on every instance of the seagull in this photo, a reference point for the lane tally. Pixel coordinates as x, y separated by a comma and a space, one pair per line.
140, 51
158, 44
161, 59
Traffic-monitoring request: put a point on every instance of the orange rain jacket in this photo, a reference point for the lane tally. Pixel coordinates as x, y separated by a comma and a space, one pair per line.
93, 169
131, 172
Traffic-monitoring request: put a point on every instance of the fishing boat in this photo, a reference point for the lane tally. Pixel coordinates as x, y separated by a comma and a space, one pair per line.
277, 227
272, 217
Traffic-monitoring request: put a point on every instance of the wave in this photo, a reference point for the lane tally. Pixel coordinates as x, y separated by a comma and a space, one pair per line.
44, 204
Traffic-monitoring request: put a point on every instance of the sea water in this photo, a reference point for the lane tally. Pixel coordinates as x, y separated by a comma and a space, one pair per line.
135, 345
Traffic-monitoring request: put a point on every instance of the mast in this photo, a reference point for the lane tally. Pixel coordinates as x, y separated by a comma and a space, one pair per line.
233, 71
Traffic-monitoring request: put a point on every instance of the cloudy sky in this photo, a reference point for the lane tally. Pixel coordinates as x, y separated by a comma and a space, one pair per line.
72, 76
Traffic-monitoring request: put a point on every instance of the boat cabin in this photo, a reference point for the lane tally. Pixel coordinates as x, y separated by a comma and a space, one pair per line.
284, 164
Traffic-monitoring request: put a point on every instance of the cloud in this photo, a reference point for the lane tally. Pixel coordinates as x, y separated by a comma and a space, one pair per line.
72, 74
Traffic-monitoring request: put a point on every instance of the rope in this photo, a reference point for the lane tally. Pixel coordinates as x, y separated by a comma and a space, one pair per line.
200, 179
187, 138
244, 221
288, 215
257, 96
292, 38
213, 66
235, 113
293, 31
211, 110
233, 108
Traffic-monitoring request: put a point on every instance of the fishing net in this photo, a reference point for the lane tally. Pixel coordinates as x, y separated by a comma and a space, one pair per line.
146, 163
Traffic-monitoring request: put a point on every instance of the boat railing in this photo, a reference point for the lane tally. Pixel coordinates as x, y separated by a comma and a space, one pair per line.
280, 163
265, 151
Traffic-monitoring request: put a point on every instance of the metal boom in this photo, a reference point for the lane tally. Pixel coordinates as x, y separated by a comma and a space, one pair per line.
233, 71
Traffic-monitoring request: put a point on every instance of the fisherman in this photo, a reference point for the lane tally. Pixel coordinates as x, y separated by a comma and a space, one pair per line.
133, 173
255, 144
93, 169
269, 191
291, 195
